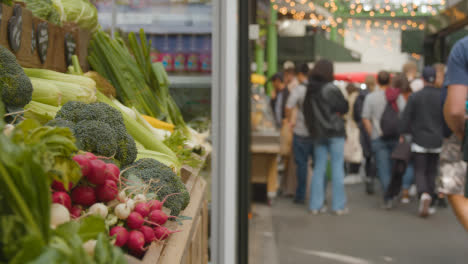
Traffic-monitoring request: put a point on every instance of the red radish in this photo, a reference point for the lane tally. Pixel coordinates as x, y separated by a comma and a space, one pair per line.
136, 241
84, 195
143, 209
62, 198
83, 161
75, 211
90, 156
58, 186
148, 233
162, 233
107, 191
121, 235
158, 217
158, 205
138, 252
96, 173
135, 220
112, 172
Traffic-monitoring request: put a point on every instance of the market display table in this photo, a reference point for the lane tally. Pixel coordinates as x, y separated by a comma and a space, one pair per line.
265, 148
190, 246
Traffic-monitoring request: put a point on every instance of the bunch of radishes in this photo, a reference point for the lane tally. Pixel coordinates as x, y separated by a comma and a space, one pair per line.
142, 223
99, 183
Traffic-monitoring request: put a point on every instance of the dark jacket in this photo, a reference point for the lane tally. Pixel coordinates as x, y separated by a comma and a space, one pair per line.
422, 118
363, 135
323, 109
285, 93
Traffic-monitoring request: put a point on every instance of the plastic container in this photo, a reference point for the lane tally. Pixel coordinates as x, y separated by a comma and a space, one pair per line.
205, 55
165, 55
193, 56
179, 55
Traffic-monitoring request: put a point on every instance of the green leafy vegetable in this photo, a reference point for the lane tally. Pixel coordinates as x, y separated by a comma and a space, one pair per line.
43, 9
177, 143
53, 147
81, 12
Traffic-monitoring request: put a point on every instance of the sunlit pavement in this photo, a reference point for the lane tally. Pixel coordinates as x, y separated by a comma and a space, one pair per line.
368, 234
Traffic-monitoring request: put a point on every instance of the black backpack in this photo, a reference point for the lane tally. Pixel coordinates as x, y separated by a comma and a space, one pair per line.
389, 123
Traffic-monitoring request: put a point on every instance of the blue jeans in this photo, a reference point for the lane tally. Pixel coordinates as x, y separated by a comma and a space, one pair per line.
335, 148
408, 177
382, 151
303, 148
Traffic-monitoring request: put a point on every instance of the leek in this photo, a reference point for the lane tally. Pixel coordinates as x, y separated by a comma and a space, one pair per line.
58, 76
40, 112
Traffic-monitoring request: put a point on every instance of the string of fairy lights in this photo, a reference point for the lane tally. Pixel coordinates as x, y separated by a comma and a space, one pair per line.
385, 14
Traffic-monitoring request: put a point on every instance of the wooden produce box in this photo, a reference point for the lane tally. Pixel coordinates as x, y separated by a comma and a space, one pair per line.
191, 245
28, 54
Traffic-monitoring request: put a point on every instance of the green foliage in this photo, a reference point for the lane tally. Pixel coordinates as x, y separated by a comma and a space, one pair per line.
98, 128
53, 147
177, 143
161, 180
15, 87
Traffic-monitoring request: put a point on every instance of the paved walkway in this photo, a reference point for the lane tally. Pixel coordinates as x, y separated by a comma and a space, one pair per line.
367, 235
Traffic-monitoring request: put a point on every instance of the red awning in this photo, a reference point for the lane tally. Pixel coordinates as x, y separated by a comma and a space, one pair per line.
357, 77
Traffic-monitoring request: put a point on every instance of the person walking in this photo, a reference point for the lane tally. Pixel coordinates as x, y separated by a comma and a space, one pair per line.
365, 138
352, 150
422, 119
279, 98
456, 86
380, 108
302, 143
400, 81
324, 107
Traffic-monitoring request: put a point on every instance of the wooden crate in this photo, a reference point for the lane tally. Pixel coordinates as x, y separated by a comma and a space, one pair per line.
55, 59
191, 245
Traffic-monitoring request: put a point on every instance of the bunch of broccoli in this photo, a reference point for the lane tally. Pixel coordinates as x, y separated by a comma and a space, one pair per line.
99, 129
163, 181
15, 87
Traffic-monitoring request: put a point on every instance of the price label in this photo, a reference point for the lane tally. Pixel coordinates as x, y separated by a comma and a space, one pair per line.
15, 26
33, 38
42, 36
70, 48
1, 13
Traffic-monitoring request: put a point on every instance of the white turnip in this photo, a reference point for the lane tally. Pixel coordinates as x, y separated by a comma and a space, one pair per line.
99, 209
130, 204
58, 215
122, 211
140, 198
89, 247
84, 195
121, 235
122, 196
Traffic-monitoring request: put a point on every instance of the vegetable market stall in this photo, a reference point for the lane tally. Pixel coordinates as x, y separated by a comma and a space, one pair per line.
265, 149
93, 172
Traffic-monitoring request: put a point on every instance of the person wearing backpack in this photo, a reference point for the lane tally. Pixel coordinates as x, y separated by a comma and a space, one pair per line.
422, 119
380, 117
323, 108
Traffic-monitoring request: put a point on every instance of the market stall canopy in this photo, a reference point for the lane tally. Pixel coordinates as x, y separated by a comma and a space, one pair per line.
357, 77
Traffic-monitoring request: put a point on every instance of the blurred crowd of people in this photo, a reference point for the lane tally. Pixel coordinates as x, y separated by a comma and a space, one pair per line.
403, 129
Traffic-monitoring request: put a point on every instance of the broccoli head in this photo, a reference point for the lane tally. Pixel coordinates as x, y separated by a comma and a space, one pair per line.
97, 137
162, 181
58, 122
115, 142
15, 87
70, 111
127, 151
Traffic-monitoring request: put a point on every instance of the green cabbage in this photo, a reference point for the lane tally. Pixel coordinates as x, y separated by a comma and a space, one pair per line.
81, 12
43, 9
